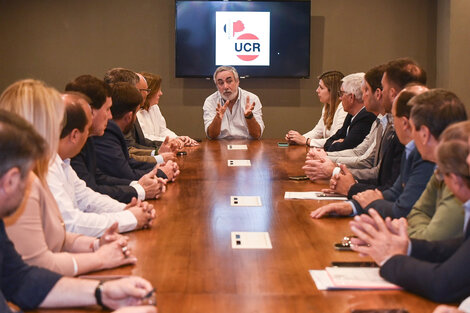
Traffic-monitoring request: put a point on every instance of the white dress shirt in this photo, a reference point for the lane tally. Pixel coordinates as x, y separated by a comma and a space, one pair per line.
320, 134
153, 124
233, 123
85, 211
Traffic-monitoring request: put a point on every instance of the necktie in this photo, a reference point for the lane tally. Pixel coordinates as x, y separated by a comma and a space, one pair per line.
378, 141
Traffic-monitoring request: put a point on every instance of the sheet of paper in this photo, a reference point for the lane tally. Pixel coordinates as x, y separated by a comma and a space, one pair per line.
321, 279
237, 147
239, 163
245, 201
251, 240
311, 195
358, 278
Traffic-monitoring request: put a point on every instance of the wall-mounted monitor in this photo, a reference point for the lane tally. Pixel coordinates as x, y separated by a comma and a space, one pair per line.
259, 38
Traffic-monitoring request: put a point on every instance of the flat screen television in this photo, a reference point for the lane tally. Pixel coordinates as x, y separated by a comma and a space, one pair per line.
258, 38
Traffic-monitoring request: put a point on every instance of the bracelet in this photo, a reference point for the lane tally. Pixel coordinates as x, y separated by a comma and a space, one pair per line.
75, 266
249, 116
336, 171
307, 142
96, 244
98, 292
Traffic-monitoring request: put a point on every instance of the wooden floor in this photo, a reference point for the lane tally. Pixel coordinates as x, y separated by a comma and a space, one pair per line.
187, 255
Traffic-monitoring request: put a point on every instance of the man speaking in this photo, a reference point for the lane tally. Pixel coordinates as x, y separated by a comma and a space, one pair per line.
232, 112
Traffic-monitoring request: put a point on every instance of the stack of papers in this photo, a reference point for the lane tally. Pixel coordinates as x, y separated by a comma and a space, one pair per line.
350, 278
313, 195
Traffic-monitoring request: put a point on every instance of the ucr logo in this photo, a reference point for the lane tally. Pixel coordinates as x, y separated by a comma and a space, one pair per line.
247, 46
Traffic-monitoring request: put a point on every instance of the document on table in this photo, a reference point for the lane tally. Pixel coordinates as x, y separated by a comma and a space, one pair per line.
237, 147
239, 163
350, 278
250, 240
245, 201
313, 195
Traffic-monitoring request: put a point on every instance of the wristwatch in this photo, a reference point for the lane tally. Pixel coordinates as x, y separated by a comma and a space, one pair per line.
249, 116
98, 296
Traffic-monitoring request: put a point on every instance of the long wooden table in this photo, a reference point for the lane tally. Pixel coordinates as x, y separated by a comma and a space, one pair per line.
187, 254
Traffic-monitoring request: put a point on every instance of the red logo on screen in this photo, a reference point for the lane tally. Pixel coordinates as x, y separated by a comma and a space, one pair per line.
238, 27
247, 46
248, 43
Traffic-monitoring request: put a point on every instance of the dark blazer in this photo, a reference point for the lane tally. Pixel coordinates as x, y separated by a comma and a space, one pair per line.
112, 156
436, 270
358, 130
85, 166
410, 184
135, 138
390, 152
24, 285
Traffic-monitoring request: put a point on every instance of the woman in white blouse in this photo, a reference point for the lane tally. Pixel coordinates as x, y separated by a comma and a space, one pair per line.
332, 117
151, 119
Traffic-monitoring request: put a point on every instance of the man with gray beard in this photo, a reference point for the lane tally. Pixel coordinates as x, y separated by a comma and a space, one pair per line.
232, 112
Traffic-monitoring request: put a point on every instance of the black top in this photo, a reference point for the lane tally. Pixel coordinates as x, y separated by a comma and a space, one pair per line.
112, 156
24, 285
353, 132
84, 165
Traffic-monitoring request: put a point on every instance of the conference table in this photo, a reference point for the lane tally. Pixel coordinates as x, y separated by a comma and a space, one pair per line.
187, 254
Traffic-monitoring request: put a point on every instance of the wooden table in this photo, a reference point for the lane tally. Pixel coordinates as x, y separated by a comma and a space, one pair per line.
187, 255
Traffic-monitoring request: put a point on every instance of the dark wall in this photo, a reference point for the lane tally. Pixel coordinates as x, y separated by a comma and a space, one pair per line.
56, 41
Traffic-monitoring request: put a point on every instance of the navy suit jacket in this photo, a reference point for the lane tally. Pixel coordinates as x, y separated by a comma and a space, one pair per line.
112, 156
85, 166
389, 165
358, 130
24, 285
436, 270
410, 184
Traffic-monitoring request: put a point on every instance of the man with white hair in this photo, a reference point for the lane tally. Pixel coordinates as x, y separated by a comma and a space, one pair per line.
358, 122
243, 119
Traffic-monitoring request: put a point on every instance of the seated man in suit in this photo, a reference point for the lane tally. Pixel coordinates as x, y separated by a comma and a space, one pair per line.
232, 112
84, 163
112, 155
437, 270
357, 123
372, 96
83, 210
141, 148
437, 214
398, 73
397, 200
31, 287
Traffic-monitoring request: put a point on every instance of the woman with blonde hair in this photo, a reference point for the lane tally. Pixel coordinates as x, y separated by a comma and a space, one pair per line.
150, 117
37, 228
332, 117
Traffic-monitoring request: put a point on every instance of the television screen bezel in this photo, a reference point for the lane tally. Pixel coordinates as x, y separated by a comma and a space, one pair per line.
247, 76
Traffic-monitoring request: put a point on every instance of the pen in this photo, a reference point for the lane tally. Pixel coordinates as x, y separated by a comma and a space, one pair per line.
149, 294
150, 298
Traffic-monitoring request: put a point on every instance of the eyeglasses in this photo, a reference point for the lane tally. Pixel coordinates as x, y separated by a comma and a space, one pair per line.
439, 174
342, 93
147, 90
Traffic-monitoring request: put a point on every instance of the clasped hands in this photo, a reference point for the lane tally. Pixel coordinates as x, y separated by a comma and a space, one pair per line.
340, 183
317, 165
143, 212
378, 238
293, 136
